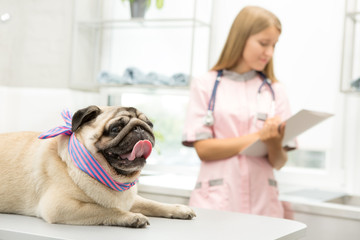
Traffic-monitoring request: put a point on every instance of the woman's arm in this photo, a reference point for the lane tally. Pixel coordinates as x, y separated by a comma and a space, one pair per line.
216, 149
271, 134
277, 156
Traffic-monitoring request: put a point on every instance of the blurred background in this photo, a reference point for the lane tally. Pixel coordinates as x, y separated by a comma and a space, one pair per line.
74, 53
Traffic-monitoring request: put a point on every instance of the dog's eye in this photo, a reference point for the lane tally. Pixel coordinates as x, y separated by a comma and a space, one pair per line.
115, 130
150, 124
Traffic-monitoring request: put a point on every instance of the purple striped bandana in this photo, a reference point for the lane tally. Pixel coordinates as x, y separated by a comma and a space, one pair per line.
82, 157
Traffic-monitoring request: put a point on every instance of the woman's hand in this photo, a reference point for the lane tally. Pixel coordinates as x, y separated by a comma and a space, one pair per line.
272, 135
272, 132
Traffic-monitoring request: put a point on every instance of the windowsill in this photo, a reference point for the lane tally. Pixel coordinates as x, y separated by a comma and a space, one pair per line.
303, 200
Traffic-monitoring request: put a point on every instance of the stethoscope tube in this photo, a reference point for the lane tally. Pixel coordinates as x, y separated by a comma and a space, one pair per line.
209, 117
267, 82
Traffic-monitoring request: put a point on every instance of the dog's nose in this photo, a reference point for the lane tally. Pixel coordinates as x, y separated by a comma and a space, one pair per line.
138, 129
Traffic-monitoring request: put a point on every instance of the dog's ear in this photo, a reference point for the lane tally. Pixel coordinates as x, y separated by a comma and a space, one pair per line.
83, 116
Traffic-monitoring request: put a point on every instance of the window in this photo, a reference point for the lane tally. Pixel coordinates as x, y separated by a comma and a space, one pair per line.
306, 159
350, 75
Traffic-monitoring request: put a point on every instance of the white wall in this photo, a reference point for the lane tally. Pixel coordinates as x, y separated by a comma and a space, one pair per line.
34, 109
35, 50
36, 43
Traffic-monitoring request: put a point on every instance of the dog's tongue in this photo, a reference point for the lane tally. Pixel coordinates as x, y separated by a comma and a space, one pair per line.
141, 149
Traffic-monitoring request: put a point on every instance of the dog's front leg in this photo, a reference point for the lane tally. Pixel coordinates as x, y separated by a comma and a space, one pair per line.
157, 209
83, 213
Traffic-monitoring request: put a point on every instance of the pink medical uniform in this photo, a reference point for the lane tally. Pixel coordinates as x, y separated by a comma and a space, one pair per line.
241, 183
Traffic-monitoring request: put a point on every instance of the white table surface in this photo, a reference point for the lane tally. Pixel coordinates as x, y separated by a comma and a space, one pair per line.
208, 224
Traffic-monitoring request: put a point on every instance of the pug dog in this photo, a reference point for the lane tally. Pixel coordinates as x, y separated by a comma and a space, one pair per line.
39, 177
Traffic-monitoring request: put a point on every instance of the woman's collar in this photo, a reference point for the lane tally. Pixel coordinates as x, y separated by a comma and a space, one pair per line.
239, 76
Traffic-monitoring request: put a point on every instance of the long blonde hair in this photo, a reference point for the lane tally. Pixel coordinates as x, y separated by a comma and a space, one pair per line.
249, 21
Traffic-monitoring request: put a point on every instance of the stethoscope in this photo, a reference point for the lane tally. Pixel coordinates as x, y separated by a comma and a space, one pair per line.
209, 116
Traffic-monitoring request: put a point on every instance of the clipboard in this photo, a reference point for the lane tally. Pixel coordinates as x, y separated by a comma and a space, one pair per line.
295, 125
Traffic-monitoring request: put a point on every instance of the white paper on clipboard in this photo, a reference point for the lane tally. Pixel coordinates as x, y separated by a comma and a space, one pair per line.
295, 125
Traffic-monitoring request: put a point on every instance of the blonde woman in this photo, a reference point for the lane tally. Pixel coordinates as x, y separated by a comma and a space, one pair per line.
237, 102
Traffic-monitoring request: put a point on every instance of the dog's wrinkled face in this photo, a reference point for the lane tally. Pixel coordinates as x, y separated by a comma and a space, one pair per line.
124, 135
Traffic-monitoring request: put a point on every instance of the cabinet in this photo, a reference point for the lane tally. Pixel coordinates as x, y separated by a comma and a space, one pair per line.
167, 43
350, 70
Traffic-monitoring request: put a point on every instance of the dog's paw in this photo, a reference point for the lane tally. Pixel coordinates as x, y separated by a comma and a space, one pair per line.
182, 212
137, 220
